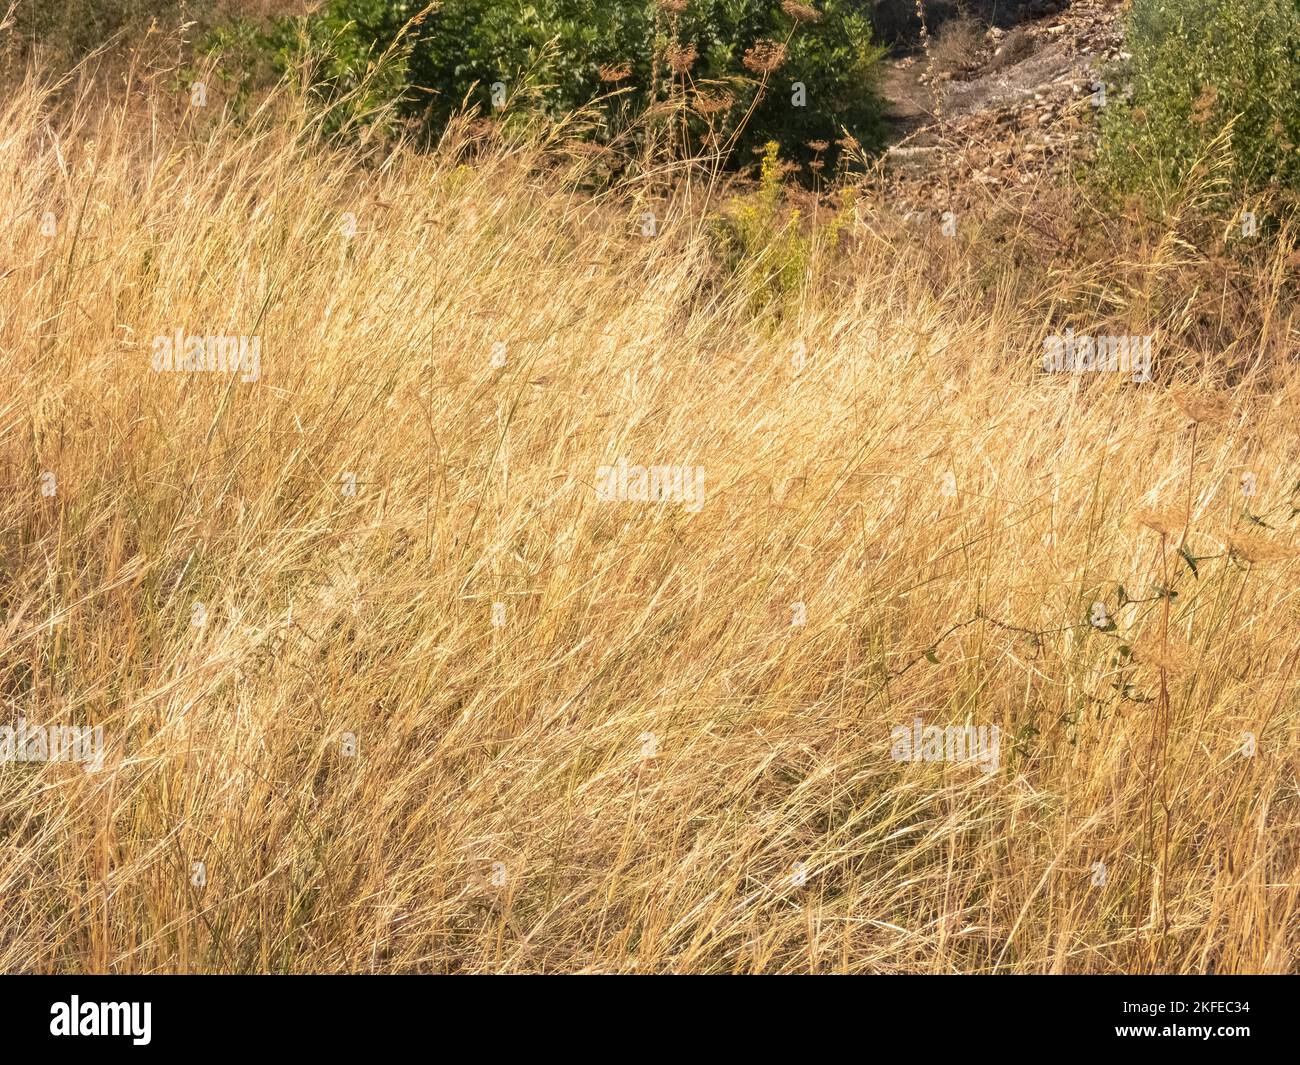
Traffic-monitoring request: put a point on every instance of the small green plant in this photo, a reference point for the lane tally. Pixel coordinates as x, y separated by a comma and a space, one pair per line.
761, 245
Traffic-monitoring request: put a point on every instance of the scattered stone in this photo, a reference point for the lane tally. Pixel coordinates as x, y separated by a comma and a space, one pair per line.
970, 135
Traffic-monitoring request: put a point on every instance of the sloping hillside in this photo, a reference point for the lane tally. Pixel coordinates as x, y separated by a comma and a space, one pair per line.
981, 110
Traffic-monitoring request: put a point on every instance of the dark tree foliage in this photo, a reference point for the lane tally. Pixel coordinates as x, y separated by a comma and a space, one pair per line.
752, 70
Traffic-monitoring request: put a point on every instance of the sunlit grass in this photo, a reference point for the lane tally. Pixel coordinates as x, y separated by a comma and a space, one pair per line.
647, 765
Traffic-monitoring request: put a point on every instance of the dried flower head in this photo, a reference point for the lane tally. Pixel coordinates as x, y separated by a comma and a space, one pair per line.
800, 12
765, 56
1165, 521
590, 150
1202, 407
673, 7
680, 57
615, 71
1203, 107
706, 103
482, 127
1172, 656
818, 146
1251, 548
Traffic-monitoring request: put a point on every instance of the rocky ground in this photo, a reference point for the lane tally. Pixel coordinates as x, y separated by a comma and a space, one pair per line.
1022, 109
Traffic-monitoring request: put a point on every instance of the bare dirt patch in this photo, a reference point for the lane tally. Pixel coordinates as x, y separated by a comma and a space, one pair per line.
1021, 113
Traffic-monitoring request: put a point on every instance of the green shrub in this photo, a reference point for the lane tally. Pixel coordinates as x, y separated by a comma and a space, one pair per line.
558, 56
355, 61
1200, 68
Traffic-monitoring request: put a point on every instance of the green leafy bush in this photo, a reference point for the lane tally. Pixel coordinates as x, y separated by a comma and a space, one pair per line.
748, 71
355, 60
1203, 70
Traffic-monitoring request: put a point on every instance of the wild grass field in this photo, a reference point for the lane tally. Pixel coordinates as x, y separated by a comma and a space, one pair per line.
385, 685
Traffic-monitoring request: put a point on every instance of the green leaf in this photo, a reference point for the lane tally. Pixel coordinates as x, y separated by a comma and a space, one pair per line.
1190, 559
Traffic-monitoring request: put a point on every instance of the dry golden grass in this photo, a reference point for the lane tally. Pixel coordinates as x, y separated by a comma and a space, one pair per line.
647, 767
